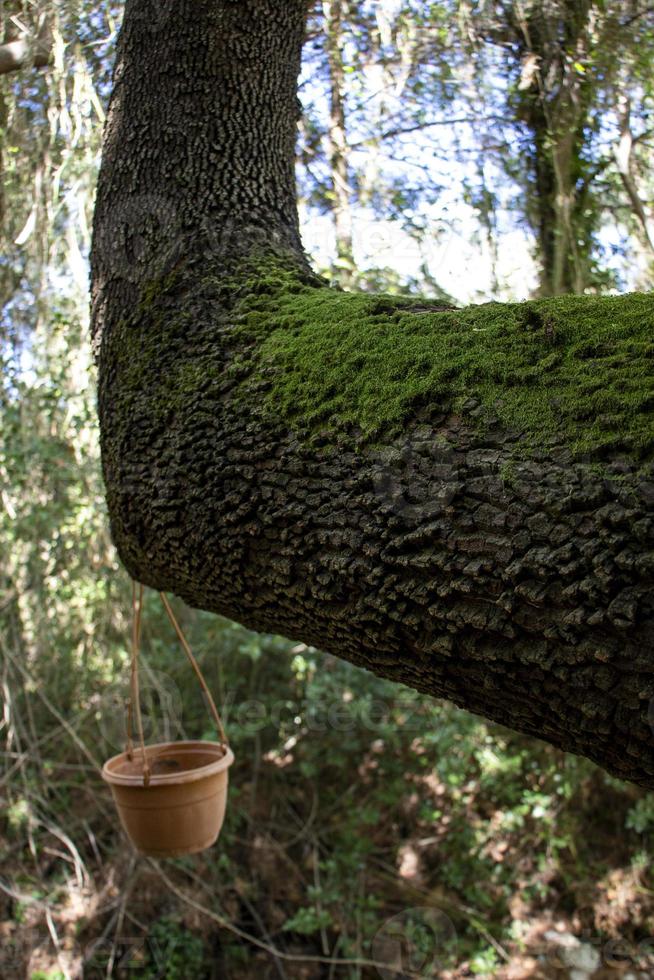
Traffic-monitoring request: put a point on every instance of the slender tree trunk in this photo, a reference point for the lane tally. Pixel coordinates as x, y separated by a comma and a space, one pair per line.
441, 558
338, 150
624, 160
554, 107
569, 233
555, 208
3, 140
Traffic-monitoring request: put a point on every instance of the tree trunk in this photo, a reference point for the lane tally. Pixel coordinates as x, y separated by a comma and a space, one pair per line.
623, 154
564, 239
552, 42
338, 149
3, 125
436, 553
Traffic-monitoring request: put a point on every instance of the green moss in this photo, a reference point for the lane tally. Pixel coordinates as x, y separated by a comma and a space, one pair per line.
577, 370
261, 275
154, 289
572, 369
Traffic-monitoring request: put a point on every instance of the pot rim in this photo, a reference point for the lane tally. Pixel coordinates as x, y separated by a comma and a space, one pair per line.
217, 765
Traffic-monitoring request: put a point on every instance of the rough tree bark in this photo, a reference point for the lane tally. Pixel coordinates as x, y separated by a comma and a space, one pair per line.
437, 555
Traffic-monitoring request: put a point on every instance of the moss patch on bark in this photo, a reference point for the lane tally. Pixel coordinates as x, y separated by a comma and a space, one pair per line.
578, 370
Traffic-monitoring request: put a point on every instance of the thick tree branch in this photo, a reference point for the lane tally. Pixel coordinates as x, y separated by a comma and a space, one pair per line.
456, 500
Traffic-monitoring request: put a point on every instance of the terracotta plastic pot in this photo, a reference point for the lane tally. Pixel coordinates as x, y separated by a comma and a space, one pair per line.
181, 810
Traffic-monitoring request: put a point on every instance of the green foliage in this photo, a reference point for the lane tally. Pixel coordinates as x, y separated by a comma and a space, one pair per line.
641, 816
307, 921
484, 962
510, 116
175, 953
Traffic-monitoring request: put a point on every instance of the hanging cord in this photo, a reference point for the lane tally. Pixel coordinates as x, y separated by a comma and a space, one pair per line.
198, 672
134, 704
130, 699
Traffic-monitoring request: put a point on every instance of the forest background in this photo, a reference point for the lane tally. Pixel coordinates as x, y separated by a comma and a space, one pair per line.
473, 151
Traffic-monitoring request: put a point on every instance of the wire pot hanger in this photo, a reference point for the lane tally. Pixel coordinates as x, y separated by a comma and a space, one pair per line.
134, 704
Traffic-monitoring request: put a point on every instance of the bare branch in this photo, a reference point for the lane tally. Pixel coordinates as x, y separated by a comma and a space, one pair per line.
23, 52
637, 16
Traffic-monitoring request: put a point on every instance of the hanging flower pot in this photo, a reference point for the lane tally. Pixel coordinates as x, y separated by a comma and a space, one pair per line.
182, 807
170, 797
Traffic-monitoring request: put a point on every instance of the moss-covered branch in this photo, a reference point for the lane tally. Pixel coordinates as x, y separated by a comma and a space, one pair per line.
459, 500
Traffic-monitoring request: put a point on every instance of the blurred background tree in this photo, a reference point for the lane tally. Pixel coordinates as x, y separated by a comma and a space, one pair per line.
471, 150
